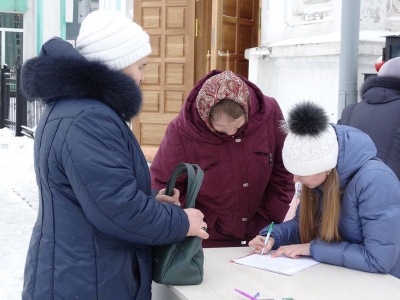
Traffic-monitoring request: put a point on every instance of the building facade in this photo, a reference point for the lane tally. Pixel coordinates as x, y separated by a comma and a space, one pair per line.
26, 24
298, 58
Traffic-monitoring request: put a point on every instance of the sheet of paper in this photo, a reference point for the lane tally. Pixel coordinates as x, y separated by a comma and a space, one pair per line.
282, 264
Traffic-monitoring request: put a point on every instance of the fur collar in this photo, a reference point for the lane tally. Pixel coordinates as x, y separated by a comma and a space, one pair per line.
70, 76
388, 82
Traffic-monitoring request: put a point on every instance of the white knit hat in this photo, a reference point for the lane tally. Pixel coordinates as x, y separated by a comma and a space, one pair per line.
112, 38
311, 145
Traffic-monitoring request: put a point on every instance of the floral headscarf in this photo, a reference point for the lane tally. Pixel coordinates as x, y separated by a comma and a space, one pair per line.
224, 86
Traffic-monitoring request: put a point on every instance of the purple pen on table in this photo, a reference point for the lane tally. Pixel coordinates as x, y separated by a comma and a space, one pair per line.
246, 295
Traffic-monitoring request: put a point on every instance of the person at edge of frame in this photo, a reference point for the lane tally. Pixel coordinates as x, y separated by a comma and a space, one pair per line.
377, 114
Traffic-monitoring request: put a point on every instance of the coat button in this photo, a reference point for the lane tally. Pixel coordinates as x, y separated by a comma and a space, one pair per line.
244, 219
243, 242
245, 184
238, 140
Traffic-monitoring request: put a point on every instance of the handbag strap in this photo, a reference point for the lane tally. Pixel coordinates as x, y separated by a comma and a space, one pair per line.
195, 178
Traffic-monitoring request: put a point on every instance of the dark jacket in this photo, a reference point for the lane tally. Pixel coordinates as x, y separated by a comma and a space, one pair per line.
369, 221
96, 219
378, 115
245, 184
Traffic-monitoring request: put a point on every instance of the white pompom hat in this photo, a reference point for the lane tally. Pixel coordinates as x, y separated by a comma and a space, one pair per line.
112, 38
311, 145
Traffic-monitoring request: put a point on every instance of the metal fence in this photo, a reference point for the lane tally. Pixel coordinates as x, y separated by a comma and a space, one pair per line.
16, 113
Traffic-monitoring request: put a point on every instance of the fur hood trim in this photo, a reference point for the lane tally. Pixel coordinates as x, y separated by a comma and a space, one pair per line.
388, 82
52, 78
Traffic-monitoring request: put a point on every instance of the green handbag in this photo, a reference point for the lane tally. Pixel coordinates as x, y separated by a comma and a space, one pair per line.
181, 263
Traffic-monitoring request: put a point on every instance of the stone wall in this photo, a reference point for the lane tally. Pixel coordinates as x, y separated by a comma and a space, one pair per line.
299, 56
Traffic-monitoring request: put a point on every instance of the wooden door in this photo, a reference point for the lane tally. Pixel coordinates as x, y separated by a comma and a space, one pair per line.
203, 31
169, 74
235, 28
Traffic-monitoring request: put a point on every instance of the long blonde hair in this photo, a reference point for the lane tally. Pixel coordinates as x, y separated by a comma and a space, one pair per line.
325, 225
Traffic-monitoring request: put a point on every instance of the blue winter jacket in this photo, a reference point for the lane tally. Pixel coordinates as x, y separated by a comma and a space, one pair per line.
96, 219
370, 211
377, 114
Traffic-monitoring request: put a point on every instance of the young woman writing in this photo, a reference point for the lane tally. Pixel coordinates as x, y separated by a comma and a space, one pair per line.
350, 200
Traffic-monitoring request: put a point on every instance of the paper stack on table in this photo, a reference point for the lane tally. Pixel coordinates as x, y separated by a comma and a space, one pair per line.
282, 264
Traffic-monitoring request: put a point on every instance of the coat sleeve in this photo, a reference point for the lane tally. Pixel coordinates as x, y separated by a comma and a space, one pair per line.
169, 154
377, 195
101, 171
280, 189
286, 233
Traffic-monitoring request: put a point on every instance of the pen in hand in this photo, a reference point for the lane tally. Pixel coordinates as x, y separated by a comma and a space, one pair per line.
267, 237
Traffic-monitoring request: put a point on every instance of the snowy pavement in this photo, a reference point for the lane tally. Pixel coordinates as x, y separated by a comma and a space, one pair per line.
18, 210
16, 227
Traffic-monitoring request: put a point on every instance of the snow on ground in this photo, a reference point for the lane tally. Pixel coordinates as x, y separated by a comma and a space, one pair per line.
18, 210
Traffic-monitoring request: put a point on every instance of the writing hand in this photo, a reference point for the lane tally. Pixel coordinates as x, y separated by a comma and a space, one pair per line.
174, 199
197, 225
258, 243
293, 251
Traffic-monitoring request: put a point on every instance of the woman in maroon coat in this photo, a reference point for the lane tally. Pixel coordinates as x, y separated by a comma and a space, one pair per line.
232, 131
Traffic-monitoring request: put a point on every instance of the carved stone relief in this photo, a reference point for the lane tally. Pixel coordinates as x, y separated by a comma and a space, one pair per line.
393, 15
300, 12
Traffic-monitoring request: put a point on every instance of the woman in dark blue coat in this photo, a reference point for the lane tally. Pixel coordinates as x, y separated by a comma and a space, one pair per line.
97, 218
377, 114
350, 200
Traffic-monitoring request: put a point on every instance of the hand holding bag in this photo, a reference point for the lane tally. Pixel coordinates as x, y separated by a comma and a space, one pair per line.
181, 263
